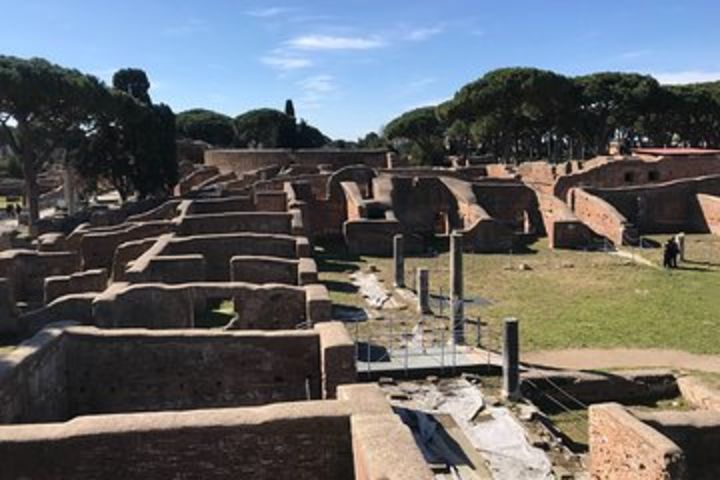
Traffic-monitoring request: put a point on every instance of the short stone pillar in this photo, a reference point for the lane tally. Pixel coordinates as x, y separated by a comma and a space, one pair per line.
457, 299
423, 290
399, 260
8, 310
680, 240
511, 359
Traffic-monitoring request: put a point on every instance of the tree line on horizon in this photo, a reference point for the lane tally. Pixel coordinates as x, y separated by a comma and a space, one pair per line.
257, 128
115, 135
112, 135
520, 114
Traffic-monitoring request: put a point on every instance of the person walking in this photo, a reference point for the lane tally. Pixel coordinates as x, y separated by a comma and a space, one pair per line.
670, 253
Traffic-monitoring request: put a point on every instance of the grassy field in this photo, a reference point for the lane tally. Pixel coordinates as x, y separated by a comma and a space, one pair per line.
573, 298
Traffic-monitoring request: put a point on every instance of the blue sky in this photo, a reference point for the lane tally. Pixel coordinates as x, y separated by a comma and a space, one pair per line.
352, 65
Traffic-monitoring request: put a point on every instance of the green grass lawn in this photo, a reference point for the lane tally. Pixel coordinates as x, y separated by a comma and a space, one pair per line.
574, 298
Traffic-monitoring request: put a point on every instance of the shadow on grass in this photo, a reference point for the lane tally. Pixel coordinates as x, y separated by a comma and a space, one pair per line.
213, 319
371, 352
348, 313
704, 264
692, 269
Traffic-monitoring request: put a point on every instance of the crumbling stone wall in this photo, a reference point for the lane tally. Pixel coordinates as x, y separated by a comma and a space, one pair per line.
220, 205
563, 228
33, 387
601, 217
257, 222
665, 207
125, 371
218, 250
79, 282
159, 305
710, 207
26, 270
338, 357
274, 307
623, 447
98, 248
609, 173
697, 433
306, 441
241, 161
264, 269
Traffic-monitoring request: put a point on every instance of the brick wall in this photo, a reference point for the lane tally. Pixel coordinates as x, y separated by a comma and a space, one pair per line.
305, 441
98, 248
600, 216
32, 381
241, 161
263, 269
634, 171
623, 448
710, 207
219, 249
79, 282
257, 222
26, 270
125, 371
662, 208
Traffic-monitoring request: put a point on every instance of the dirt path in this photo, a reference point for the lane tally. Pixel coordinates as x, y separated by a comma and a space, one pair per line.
593, 359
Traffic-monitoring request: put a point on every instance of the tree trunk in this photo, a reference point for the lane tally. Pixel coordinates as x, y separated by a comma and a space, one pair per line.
31, 189
30, 177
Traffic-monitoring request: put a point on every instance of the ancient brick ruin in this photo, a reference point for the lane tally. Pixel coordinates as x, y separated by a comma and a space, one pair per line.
116, 362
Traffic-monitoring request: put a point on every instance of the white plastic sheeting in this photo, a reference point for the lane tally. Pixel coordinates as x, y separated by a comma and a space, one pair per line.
497, 435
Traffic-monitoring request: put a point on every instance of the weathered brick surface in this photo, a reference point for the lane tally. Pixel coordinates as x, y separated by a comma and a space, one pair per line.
274, 307
606, 173
563, 228
78, 282
697, 433
188, 369
710, 206
258, 222
220, 205
263, 269
127, 252
219, 249
98, 248
624, 448
337, 355
33, 387
242, 161
27, 269
270, 201
600, 216
305, 441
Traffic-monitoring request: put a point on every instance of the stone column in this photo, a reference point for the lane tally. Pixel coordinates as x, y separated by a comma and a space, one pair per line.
457, 307
511, 354
423, 290
399, 260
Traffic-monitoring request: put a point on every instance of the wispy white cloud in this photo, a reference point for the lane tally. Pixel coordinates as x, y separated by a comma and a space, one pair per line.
420, 34
286, 63
270, 12
330, 42
688, 76
315, 90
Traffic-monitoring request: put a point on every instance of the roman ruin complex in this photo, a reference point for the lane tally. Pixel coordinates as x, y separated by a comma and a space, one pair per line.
118, 363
